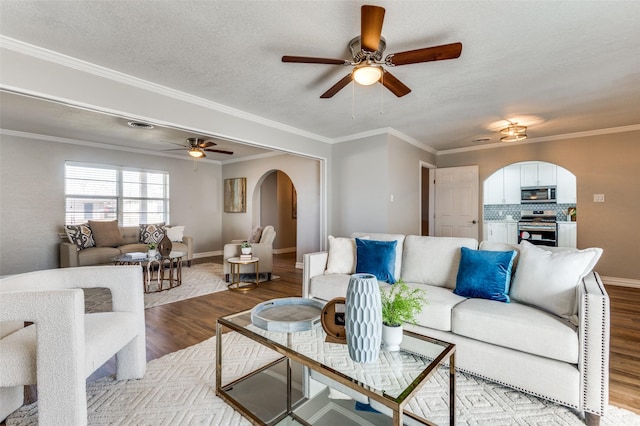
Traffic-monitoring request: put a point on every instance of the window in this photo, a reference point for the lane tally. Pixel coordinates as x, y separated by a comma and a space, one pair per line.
131, 196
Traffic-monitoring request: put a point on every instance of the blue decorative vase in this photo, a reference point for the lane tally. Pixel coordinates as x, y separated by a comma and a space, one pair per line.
363, 318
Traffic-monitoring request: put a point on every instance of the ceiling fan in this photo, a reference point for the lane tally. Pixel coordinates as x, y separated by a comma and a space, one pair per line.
367, 50
197, 147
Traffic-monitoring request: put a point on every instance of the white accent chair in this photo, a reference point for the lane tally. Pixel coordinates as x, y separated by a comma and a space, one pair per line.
64, 345
262, 250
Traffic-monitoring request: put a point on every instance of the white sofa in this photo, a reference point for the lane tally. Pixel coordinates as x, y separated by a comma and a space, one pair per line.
515, 344
64, 345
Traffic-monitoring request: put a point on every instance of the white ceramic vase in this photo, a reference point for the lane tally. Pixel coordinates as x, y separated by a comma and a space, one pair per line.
391, 337
363, 318
152, 253
245, 250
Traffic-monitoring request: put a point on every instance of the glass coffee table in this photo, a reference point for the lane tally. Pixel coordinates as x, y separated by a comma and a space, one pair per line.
389, 384
156, 270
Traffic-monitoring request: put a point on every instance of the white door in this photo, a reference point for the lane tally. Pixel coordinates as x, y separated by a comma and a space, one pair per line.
457, 202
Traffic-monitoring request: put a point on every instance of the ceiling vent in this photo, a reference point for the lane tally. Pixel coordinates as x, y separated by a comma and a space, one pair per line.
140, 125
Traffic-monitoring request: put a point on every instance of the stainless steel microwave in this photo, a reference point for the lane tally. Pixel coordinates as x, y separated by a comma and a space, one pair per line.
538, 194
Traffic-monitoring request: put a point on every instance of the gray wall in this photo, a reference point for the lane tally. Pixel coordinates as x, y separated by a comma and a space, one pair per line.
32, 198
305, 175
604, 164
365, 174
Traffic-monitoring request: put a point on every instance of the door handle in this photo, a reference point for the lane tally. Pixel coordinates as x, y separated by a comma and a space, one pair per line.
474, 221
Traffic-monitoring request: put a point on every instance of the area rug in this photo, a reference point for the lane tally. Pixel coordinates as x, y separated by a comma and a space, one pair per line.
197, 280
179, 388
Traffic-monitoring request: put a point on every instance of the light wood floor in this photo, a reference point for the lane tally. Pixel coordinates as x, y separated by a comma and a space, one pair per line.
179, 325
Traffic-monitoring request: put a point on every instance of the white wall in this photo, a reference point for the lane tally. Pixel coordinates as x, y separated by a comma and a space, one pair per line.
32, 198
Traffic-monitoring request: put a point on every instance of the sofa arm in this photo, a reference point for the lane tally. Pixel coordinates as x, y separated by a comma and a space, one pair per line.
594, 344
68, 255
313, 264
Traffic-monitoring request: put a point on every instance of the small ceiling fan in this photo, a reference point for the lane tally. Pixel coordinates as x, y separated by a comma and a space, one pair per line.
367, 50
197, 147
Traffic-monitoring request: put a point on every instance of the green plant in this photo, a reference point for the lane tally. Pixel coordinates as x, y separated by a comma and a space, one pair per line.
245, 245
401, 304
152, 246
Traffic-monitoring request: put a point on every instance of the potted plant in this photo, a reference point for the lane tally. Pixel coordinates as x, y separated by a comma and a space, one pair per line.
152, 250
399, 305
245, 248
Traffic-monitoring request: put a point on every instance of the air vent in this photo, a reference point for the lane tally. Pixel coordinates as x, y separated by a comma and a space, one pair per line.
480, 140
140, 125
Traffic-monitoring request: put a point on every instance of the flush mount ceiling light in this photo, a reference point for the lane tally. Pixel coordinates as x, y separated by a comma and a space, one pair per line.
513, 133
196, 153
367, 75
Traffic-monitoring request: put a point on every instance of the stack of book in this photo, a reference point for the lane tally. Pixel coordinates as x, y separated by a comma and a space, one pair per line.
245, 257
137, 255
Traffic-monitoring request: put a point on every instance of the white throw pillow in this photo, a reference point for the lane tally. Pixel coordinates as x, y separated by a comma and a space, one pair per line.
342, 255
549, 280
175, 233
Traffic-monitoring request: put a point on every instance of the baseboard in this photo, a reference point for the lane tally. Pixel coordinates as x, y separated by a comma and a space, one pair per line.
207, 254
285, 250
621, 282
299, 265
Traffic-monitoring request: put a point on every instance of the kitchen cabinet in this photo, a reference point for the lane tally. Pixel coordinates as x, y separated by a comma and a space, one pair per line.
538, 174
566, 186
567, 234
503, 187
501, 232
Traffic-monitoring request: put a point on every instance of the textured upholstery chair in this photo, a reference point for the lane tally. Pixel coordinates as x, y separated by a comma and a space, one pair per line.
262, 250
64, 345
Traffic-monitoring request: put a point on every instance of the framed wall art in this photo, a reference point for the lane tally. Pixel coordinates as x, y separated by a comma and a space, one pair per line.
235, 195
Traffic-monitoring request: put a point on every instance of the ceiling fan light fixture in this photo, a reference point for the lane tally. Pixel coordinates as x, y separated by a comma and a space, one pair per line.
513, 133
367, 75
196, 153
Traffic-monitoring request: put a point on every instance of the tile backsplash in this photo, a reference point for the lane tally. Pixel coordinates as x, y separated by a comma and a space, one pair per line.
500, 211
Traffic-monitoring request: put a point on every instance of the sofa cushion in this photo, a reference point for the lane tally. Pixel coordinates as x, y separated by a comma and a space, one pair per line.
80, 235
377, 258
97, 255
151, 233
517, 326
436, 313
549, 280
130, 248
433, 260
496, 246
342, 256
176, 233
485, 274
386, 237
106, 233
327, 287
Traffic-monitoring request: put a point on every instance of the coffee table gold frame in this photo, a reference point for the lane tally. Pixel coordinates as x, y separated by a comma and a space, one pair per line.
236, 283
241, 323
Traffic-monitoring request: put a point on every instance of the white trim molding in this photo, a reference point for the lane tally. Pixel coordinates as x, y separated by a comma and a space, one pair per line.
621, 282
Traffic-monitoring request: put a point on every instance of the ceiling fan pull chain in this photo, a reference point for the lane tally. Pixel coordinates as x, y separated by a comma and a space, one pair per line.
353, 101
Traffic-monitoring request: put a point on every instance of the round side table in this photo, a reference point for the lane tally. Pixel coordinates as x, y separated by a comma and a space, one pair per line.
236, 283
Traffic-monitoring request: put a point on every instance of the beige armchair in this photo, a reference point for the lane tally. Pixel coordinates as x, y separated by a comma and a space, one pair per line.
262, 250
64, 345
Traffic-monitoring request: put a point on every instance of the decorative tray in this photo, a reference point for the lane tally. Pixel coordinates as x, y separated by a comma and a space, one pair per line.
287, 315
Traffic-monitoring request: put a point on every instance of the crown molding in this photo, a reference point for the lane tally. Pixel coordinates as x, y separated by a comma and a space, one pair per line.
100, 71
110, 147
597, 132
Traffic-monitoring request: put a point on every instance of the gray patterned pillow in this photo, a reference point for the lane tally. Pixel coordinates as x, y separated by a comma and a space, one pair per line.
80, 235
151, 232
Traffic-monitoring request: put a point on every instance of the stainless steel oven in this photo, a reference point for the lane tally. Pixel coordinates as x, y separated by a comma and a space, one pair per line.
538, 227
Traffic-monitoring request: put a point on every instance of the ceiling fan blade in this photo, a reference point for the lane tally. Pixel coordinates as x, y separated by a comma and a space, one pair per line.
427, 54
311, 60
219, 151
371, 19
396, 86
337, 87
206, 144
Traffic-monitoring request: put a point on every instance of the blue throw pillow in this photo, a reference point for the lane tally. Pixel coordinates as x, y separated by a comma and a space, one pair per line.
485, 274
377, 258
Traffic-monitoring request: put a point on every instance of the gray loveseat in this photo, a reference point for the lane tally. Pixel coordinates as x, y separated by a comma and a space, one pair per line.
515, 344
70, 256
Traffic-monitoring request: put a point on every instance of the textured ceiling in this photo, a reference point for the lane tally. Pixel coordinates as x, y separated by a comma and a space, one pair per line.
567, 66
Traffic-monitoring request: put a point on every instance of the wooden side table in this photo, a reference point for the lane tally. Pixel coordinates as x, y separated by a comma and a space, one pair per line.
236, 283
